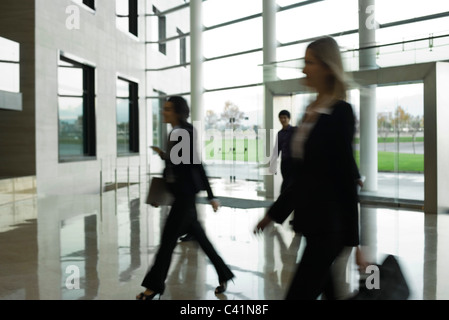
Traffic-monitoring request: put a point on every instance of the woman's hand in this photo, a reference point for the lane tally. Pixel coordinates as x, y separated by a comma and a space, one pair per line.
158, 151
360, 259
215, 204
262, 224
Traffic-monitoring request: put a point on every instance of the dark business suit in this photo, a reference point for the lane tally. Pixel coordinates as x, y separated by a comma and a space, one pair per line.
324, 198
284, 141
184, 180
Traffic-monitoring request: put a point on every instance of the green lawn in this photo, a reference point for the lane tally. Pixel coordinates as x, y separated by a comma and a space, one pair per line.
394, 139
402, 162
237, 149
246, 150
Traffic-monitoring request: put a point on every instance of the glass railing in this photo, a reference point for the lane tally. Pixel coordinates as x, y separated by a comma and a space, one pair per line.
119, 172
435, 47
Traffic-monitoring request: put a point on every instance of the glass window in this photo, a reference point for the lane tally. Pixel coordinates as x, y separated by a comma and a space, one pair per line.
9, 65
175, 80
232, 120
317, 19
159, 129
71, 128
400, 110
127, 15
88, 3
127, 117
431, 43
76, 110
10, 50
162, 30
233, 38
10, 77
157, 19
220, 11
389, 11
182, 48
400, 141
284, 3
234, 71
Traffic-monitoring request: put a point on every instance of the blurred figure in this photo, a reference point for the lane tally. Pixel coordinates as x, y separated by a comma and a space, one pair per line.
283, 147
323, 194
185, 177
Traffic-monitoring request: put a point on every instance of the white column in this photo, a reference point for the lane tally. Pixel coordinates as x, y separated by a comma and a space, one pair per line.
196, 58
269, 74
196, 74
368, 114
196, 95
269, 39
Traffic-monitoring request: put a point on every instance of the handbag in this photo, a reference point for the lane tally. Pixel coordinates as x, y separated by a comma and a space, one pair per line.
159, 193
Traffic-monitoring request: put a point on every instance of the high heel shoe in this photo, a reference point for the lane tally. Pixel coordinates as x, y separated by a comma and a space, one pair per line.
222, 287
143, 296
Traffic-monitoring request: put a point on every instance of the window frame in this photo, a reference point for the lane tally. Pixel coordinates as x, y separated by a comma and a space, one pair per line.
86, 4
162, 30
90, 4
133, 18
89, 112
182, 48
133, 103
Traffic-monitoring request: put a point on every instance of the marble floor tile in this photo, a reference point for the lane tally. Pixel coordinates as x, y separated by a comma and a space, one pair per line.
99, 247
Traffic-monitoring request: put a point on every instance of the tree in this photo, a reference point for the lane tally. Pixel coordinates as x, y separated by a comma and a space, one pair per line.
383, 126
232, 116
211, 119
416, 125
401, 120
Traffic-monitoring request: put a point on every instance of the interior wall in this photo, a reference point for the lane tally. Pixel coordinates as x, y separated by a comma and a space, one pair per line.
92, 37
17, 128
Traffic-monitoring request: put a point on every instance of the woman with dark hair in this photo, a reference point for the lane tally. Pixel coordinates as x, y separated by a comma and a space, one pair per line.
323, 194
185, 177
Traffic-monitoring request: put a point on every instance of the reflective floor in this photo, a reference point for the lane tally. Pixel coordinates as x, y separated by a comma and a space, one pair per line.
99, 248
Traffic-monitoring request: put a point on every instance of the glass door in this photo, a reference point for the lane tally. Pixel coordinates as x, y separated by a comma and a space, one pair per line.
400, 118
296, 104
400, 139
400, 144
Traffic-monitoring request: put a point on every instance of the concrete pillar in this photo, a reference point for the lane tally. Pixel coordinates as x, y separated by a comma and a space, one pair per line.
436, 139
196, 57
368, 114
269, 39
197, 94
269, 74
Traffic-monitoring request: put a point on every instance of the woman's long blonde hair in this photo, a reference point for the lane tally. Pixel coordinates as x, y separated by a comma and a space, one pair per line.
327, 50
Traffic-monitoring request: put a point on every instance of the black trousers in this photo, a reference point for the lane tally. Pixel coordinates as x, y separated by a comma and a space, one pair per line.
314, 272
287, 173
182, 219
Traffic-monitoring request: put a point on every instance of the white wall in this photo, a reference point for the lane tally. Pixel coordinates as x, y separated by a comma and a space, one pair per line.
113, 53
